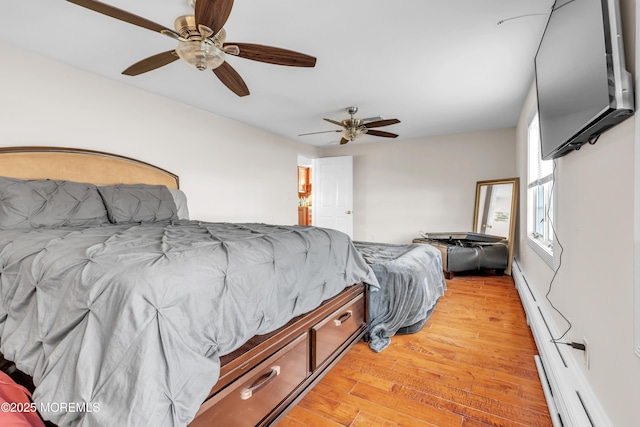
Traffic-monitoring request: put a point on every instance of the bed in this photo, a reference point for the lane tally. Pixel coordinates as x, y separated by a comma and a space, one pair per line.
411, 283
131, 316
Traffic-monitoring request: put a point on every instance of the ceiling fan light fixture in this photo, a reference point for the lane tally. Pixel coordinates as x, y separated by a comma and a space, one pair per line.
351, 134
200, 54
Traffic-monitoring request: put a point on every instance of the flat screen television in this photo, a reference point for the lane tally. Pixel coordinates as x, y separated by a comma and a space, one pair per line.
582, 83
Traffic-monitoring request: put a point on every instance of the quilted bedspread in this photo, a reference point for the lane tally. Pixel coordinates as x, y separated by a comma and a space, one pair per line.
123, 325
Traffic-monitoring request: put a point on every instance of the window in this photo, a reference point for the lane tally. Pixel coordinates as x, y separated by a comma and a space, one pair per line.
540, 197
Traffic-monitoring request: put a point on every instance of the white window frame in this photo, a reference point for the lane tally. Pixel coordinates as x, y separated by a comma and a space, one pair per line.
540, 197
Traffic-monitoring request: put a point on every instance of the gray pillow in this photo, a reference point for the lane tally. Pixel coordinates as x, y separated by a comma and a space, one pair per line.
180, 199
49, 203
138, 203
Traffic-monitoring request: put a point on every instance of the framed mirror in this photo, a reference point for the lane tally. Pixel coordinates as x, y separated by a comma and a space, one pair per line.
496, 210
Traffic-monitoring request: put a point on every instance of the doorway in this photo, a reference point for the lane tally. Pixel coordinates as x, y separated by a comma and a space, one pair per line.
305, 189
328, 200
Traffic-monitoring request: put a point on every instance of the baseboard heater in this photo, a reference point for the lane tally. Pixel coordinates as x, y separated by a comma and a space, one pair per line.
569, 396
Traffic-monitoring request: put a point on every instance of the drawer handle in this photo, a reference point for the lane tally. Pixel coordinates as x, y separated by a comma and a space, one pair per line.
260, 382
340, 320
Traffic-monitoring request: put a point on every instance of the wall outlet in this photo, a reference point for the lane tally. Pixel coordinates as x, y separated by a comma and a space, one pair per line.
587, 353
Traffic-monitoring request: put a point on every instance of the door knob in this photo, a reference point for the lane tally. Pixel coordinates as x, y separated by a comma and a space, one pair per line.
348, 212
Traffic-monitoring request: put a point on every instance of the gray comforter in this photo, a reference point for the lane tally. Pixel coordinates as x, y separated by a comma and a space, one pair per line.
123, 325
411, 281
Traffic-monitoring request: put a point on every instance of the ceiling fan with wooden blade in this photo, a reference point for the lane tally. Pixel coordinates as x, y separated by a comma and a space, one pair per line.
202, 43
353, 128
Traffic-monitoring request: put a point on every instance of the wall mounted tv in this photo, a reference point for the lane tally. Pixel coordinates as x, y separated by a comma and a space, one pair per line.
582, 83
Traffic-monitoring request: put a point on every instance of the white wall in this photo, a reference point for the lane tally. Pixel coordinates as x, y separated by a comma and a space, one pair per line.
427, 184
230, 171
234, 172
594, 223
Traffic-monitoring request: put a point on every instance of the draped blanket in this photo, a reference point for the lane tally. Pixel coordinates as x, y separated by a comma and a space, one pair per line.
123, 325
411, 282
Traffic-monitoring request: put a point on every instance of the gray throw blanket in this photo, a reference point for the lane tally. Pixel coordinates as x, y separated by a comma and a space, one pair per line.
411, 281
123, 325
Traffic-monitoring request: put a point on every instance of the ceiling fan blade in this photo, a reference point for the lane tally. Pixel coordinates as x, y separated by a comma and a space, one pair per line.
231, 79
371, 119
343, 141
380, 123
151, 63
274, 55
213, 13
334, 122
324, 131
382, 134
120, 14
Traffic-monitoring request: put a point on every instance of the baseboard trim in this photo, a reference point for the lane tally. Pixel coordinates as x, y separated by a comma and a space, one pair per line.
569, 396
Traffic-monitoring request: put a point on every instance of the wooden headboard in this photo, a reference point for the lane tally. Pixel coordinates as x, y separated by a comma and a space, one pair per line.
73, 164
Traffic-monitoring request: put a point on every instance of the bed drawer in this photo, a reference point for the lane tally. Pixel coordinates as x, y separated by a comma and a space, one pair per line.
329, 335
253, 396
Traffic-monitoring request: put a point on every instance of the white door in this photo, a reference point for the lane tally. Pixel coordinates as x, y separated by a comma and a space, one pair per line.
333, 193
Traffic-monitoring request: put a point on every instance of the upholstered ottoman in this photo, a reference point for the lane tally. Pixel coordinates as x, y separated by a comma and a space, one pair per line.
462, 255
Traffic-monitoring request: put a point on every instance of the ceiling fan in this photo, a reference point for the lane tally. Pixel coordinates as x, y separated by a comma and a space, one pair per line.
202, 43
354, 128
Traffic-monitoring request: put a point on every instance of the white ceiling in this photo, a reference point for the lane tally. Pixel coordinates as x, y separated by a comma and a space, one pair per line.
441, 67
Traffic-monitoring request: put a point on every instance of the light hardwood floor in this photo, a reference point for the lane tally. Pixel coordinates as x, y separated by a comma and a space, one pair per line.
471, 365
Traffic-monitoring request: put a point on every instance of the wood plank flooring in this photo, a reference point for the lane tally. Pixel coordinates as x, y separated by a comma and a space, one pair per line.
471, 365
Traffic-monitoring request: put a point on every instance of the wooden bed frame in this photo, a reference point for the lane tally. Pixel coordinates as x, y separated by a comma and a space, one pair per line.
73, 164
261, 380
